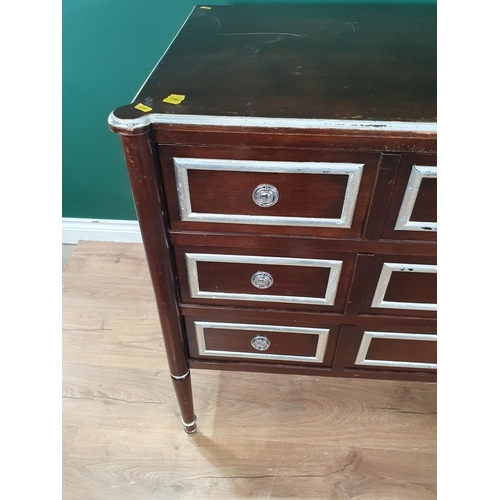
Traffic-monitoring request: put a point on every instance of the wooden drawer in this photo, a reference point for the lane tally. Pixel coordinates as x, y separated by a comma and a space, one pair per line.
233, 277
262, 340
399, 349
267, 190
401, 285
412, 213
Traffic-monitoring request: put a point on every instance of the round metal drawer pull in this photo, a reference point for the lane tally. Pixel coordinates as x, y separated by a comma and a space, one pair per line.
261, 343
265, 195
262, 280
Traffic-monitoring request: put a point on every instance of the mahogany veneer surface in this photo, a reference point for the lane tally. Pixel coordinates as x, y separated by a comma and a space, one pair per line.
283, 84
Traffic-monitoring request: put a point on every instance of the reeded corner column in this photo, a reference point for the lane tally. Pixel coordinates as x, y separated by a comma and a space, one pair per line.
145, 179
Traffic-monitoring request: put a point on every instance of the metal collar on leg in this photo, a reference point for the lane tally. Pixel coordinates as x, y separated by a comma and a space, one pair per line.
189, 428
190, 424
181, 377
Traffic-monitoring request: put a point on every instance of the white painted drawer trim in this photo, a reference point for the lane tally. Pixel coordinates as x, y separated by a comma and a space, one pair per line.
365, 345
335, 267
353, 170
319, 356
403, 222
383, 283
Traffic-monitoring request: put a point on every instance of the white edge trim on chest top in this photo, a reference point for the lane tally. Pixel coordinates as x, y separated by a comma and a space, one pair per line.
257, 121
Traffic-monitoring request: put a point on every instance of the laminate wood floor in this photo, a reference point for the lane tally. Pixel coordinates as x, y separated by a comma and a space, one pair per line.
260, 436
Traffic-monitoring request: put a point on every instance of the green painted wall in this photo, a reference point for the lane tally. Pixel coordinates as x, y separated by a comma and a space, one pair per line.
109, 49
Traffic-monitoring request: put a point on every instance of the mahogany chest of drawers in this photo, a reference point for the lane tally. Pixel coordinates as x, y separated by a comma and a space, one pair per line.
283, 165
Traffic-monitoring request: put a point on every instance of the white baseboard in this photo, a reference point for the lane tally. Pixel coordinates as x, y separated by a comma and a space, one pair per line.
121, 231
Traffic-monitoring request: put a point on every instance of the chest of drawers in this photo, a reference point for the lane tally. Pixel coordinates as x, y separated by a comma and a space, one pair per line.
283, 165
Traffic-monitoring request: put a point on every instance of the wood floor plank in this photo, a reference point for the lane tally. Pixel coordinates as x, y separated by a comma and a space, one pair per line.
93, 302
84, 347
103, 282
167, 462
260, 435
68, 436
97, 289
136, 343
341, 412
121, 384
109, 259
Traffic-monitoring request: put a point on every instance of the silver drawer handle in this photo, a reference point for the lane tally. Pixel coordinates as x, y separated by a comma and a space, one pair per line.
262, 280
265, 195
261, 343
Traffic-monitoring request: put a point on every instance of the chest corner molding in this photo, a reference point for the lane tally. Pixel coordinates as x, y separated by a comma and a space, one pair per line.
119, 231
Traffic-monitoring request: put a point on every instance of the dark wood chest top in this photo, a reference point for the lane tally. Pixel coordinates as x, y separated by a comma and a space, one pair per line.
320, 62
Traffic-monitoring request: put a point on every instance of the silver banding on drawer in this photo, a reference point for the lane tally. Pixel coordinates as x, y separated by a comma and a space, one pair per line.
416, 337
266, 195
328, 299
201, 328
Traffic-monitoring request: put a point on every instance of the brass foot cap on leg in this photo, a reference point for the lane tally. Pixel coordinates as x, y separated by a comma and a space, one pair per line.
189, 428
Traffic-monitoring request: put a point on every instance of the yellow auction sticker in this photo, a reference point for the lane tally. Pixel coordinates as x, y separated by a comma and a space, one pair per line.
174, 98
143, 107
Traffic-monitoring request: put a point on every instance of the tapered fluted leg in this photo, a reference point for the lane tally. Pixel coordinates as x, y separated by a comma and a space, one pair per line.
147, 187
184, 393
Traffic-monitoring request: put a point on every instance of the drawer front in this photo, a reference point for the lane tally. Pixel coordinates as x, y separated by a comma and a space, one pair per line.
402, 286
260, 342
231, 278
412, 211
268, 191
397, 349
